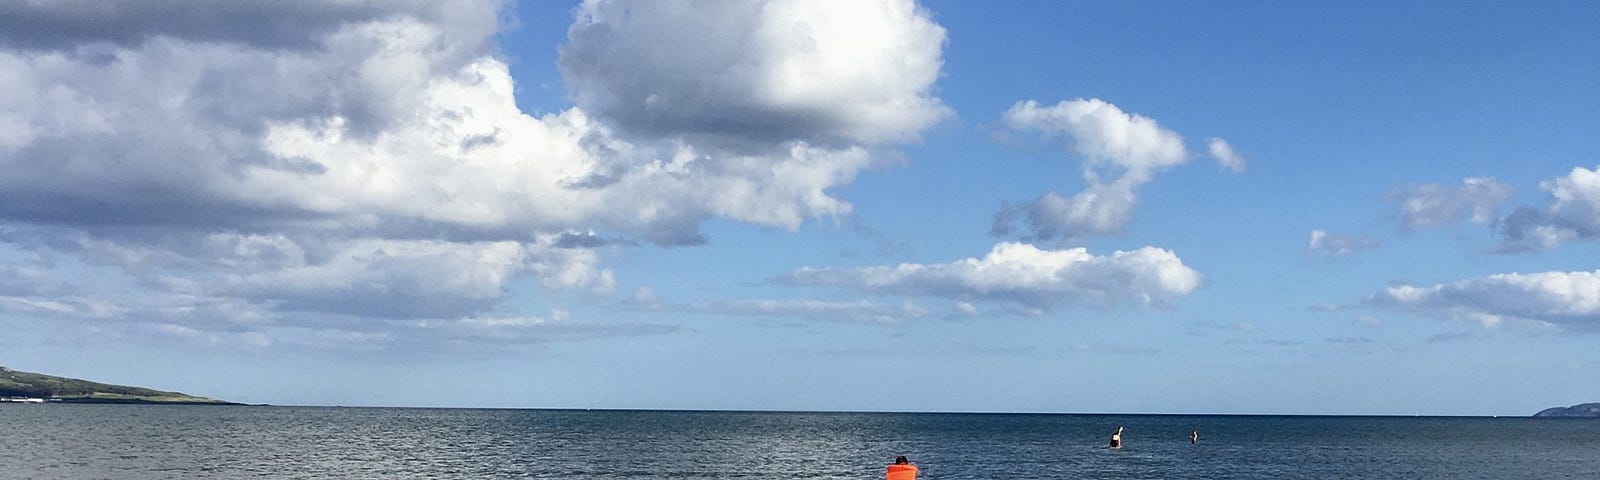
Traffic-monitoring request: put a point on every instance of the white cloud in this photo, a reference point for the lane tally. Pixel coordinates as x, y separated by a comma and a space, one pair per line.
1025, 275
1104, 135
1569, 300
395, 122
368, 158
829, 72
335, 275
1431, 205
413, 279
1338, 244
1120, 152
369, 295
1577, 194
1573, 214
1100, 208
1226, 157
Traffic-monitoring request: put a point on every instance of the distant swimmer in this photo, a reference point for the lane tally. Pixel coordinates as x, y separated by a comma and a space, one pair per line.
902, 469
1194, 436
1116, 438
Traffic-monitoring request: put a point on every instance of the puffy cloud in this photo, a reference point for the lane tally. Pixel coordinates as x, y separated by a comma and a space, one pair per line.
413, 279
1025, 275
1573, 214
1431, 205
368, 159
1120, 152
1226, 157
767, 71
1339, 245
1569, 300
582, 176
1101, 208
175, 130
398, 123
1104, 135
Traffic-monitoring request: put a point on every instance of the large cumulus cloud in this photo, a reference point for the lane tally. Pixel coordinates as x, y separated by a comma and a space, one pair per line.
367, 160
830, 72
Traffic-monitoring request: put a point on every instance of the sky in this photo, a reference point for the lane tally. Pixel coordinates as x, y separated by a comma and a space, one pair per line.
886, 205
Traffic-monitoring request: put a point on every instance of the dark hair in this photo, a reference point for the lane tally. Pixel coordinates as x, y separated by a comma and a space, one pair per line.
901, 460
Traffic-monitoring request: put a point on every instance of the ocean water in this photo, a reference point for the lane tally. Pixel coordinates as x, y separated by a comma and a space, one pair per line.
175, 442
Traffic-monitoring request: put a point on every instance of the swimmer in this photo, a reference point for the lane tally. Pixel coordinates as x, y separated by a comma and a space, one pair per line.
1116, 438
902, 469
1194, 436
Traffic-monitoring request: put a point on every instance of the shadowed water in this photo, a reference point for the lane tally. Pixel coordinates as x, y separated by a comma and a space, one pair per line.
161, 442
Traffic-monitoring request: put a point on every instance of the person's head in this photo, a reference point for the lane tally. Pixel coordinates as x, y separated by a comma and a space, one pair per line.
901, 460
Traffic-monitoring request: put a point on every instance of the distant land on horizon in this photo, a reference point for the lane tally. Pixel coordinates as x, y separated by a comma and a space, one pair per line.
19, 384
1586, 410
14, 384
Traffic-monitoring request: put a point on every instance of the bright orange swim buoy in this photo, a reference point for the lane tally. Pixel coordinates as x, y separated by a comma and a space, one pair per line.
902, 472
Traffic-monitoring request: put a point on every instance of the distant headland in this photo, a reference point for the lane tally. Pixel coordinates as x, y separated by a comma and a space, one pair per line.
1589, 410
17, 386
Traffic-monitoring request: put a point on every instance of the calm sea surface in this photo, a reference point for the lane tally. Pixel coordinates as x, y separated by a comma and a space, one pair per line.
162, 442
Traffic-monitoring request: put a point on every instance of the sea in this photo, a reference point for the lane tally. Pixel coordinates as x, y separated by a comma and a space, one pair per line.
66, 441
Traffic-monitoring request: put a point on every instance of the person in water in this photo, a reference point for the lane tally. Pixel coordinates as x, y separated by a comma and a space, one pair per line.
1116, 438
1194, 436
902, 469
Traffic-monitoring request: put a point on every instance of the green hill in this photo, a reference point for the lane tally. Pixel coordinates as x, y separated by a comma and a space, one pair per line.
71, 390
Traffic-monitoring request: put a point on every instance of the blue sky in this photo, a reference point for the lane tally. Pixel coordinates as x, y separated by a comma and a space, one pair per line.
940, 206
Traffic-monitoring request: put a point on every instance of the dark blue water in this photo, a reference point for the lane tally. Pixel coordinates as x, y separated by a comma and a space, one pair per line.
161, 442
